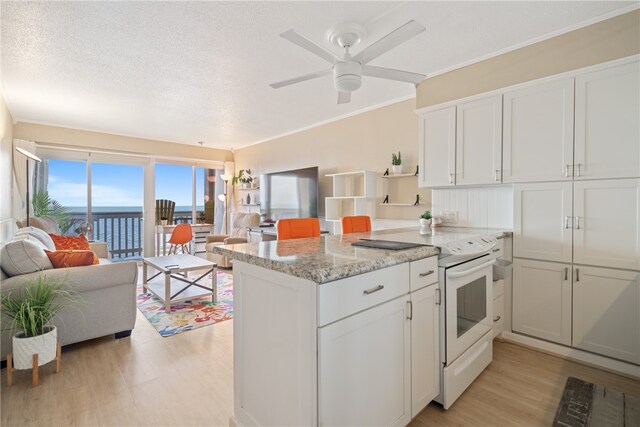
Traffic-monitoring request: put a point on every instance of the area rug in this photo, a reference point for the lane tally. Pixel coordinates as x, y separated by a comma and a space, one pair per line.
585, 404
189, 315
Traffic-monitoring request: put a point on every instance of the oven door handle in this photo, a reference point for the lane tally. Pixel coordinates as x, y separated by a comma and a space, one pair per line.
471, 270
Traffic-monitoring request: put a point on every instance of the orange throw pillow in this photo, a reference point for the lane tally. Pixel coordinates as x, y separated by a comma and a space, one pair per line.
63, 243
71, 258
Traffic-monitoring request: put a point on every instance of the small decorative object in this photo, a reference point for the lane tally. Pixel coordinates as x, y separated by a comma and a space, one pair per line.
396, 163
244, 177
163, 220
201, 217
436, 222
425, 222
35, 342
248, 199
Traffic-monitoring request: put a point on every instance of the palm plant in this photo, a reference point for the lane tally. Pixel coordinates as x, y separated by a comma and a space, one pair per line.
44, 205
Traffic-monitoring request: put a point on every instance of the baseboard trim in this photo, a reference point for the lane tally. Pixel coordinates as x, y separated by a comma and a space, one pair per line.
586, 358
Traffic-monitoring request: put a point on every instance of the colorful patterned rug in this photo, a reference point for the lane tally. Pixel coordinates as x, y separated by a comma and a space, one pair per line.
189, 315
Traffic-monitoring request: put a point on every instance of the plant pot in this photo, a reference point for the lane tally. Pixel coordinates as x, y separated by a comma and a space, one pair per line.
163, 222
246, 185
397, 169
425, 222
44, 345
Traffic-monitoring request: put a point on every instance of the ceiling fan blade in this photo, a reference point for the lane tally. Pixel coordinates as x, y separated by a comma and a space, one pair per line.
344, 97
390, 74
300, 78
295, 37
388, 42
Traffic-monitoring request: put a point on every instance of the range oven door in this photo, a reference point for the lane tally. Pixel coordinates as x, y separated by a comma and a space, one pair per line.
469, 304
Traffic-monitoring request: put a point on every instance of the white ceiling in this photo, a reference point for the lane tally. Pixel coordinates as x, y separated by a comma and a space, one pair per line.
191, 71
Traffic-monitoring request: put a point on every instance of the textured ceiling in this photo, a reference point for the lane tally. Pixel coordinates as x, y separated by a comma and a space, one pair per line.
191, 71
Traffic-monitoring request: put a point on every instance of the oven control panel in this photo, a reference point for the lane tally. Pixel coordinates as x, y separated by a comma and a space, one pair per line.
471, 246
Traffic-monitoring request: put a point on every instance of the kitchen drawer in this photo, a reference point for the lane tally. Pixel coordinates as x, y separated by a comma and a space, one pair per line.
345, 297
424, 272
498, 288
498, 315
498, 250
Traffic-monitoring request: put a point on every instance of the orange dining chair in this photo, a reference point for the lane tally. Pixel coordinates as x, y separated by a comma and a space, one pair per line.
297, 228
181, 237
356, 224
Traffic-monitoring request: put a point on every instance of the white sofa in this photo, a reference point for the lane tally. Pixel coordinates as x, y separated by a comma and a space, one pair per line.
107, 292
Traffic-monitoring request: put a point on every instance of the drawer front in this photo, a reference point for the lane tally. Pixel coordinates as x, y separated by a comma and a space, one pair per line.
498, 288
498, 250
345, 297
424, 272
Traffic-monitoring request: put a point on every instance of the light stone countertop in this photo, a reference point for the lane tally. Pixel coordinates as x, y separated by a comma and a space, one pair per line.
328, 258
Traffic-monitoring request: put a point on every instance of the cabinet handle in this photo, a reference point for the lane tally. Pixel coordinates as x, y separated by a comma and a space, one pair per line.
566, 171
410, 310
566, 222
577, 274
496, 319
578, 170
438, 300
566, 273
427, 273
496, 250
451, 178
496, 175
372, 290
577, 223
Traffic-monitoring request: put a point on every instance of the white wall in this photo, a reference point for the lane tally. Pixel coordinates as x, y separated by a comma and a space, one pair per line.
6, 171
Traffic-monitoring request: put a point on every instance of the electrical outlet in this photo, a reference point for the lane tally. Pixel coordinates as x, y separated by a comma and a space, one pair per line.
449, 217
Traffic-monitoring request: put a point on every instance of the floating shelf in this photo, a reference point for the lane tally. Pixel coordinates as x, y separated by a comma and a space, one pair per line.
248, 189
251, 204
386, 174
385, 202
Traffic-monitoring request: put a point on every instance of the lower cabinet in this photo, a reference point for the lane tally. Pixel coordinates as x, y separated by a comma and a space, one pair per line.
606, 312
542, 300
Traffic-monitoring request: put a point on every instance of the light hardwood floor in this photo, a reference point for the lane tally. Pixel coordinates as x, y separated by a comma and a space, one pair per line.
187, 380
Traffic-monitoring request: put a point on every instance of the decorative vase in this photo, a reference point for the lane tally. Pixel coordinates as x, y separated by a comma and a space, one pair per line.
44, 345
397, 169
163, 222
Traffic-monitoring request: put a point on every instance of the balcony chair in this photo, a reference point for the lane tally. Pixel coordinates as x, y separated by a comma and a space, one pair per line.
241, 221
356, 224
165, 209
181, 237
297, 228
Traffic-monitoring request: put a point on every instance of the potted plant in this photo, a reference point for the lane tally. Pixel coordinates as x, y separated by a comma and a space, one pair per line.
29, 313
396, 163
163, 220
244, 177
425, 219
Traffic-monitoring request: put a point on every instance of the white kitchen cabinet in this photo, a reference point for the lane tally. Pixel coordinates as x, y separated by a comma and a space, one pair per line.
542, 300
437, 148
607, 123
479, 141
607, 223
538, 132
425, 347
357, 358
606, 312
542, 221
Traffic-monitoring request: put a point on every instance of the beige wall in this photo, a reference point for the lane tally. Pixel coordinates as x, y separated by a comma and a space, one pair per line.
97, 140
604, 41
6, 168
362, 142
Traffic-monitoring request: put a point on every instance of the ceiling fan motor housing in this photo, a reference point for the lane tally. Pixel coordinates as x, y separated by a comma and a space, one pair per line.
347, 76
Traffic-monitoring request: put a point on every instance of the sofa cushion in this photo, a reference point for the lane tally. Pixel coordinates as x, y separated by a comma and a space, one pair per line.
70, 258
39, 234
24, 256
43, 223
65, 243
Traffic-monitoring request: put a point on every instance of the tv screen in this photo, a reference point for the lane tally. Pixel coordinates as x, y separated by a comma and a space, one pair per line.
289, 194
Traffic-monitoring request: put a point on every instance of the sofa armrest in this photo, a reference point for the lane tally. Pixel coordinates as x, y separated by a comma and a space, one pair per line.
101, 249
235, 240
81, 279
217, 238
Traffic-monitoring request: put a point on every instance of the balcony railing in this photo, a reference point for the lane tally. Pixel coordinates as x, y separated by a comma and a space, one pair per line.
123, 231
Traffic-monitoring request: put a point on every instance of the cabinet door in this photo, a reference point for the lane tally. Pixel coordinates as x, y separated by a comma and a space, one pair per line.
538, 132
479, 141
606, 312
607, 224
364, 368
608, 123
437, 147
542, 300
542, 221
425, 348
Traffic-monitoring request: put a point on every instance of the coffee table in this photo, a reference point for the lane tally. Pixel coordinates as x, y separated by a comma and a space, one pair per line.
176, 267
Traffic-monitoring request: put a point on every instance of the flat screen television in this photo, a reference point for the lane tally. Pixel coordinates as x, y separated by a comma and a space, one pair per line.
289, 194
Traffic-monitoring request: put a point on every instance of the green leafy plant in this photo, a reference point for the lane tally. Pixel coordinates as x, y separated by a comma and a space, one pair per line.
42, 300
426, 215
44, 205
242, 177
396, 159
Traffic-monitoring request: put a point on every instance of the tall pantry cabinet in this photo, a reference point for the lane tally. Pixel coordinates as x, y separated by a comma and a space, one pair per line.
577, 236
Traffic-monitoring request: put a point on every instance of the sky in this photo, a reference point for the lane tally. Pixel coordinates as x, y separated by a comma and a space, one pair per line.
120, 185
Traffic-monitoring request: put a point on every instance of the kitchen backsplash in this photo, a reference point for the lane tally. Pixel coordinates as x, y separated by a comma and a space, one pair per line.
484, 207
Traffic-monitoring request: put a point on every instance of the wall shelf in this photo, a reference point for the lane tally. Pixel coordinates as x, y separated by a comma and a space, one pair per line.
247, 189
386, 174
385, 202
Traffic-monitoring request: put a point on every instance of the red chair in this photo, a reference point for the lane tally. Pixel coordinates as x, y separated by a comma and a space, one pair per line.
356, 224
180, 237
297, 228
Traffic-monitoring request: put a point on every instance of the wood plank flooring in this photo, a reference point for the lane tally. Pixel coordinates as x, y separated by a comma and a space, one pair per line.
187, 380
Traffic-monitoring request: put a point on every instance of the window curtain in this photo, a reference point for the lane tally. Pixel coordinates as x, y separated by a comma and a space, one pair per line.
19, 176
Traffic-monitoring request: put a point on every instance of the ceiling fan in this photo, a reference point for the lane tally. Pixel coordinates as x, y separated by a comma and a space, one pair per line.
348, 70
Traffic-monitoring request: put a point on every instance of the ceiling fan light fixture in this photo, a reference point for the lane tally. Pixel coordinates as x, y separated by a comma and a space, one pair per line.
347, 76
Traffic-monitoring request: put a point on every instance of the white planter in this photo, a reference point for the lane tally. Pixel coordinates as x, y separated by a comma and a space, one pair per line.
163, 222
397, 170
24, 348
425, 222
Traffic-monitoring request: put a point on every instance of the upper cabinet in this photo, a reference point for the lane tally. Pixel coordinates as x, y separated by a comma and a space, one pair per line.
538, 132
479, 141
437, 148
607, 130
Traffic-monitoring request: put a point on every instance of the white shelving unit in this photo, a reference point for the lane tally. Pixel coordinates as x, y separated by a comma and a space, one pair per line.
354, 193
